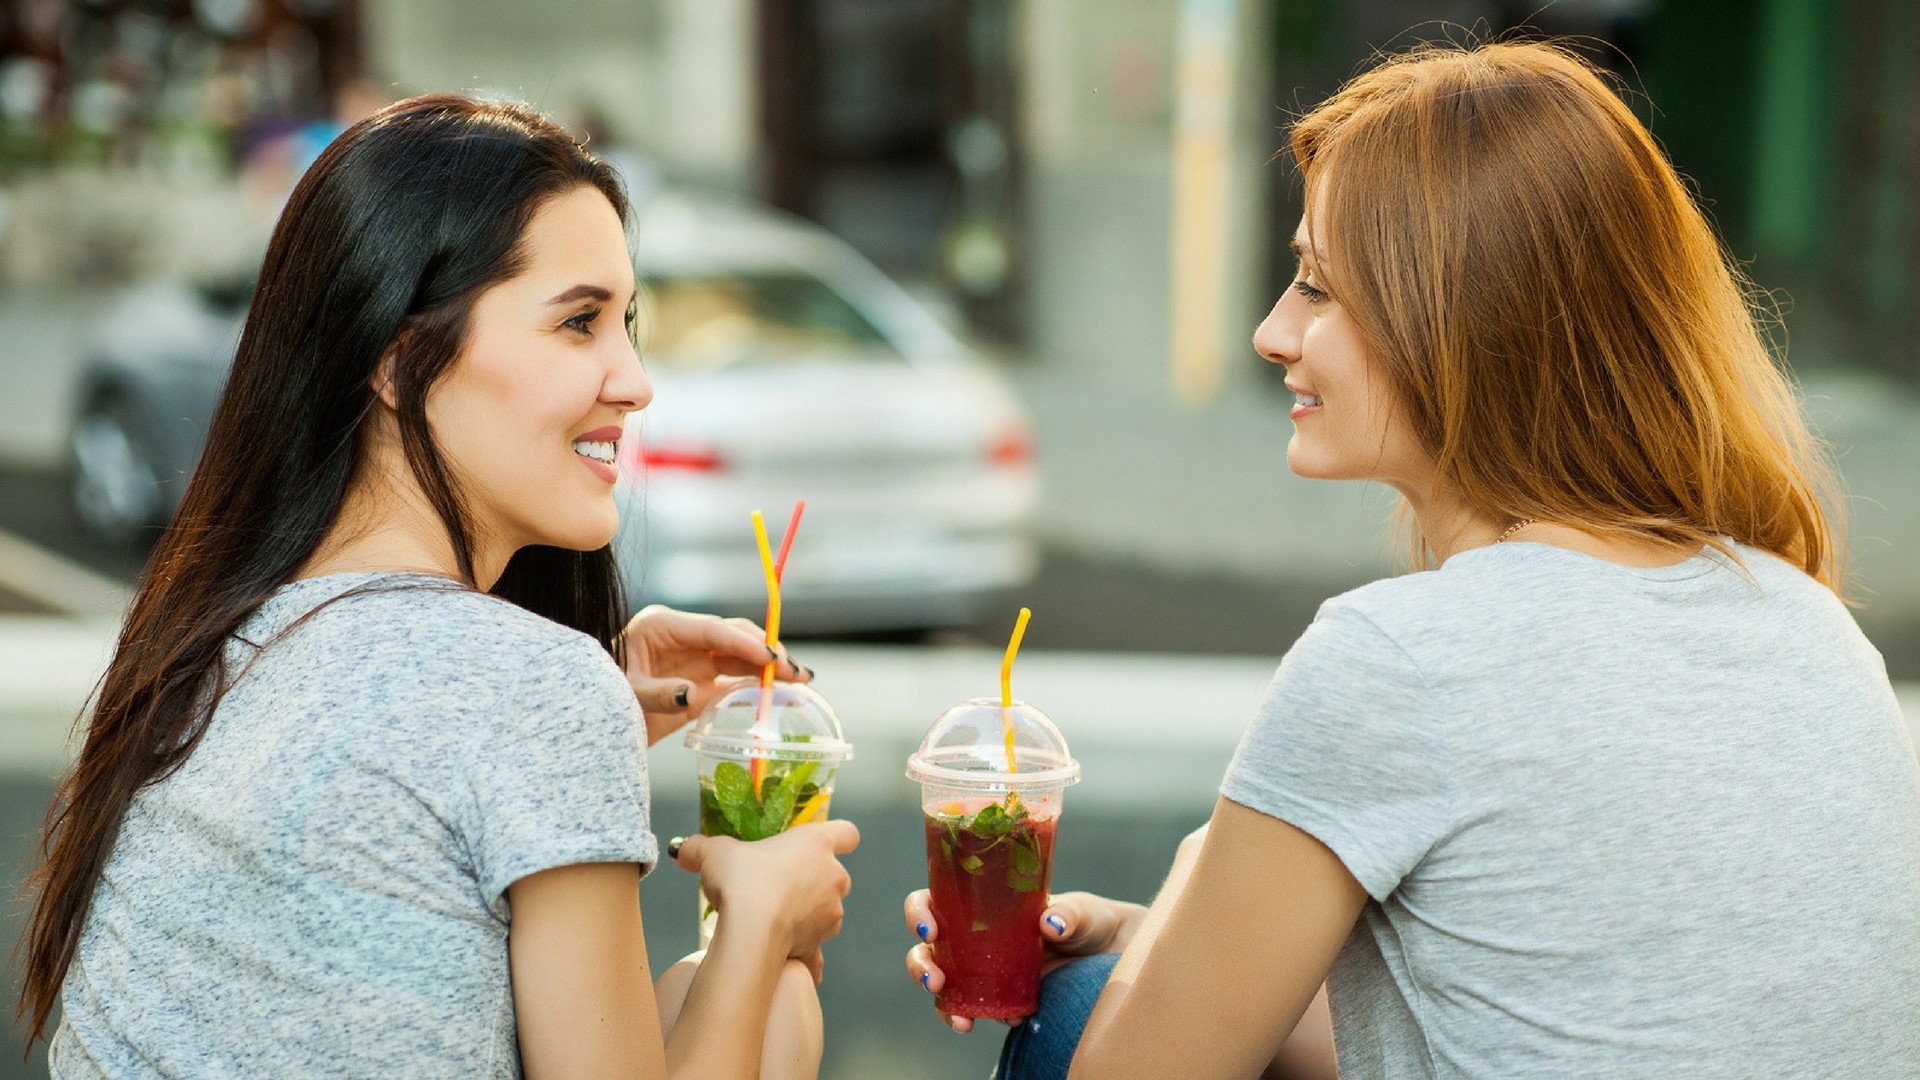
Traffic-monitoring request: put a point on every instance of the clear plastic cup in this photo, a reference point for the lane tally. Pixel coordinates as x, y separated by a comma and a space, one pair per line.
990, 838
799, 748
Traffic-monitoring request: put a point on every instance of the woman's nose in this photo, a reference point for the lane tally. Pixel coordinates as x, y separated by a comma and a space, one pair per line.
1277, 338
627, 386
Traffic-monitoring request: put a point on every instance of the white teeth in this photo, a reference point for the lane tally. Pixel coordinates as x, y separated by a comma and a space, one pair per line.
1308, 400
598, 451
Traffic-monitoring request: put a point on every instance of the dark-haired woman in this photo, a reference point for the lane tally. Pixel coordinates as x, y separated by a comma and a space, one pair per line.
365, 789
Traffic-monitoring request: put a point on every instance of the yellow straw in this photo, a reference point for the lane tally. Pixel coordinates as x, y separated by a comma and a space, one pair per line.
773, 638
1006, 682
773, 580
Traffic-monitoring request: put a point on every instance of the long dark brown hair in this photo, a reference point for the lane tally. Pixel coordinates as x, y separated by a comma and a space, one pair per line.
382, 249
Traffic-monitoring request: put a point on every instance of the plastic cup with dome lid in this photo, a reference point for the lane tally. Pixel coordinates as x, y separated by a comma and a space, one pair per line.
766, 758
993, 775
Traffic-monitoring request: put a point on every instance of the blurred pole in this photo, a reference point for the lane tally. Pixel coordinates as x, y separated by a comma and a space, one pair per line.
1203, 108
1791, 152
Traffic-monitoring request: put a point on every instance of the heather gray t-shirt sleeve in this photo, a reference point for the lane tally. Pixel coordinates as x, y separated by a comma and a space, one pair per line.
1350, 747
564, 778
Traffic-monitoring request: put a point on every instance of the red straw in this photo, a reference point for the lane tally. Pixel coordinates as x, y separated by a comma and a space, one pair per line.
786, 539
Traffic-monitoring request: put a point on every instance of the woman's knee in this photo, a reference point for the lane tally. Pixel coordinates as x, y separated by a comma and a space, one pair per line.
671, 989
1042, 1047
796, 1033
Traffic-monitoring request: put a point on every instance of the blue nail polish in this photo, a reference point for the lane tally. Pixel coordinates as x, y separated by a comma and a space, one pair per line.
921, 929
1059, 925
924, 976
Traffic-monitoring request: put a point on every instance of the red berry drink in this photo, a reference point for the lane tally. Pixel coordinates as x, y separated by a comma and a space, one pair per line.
992, 775
988, 871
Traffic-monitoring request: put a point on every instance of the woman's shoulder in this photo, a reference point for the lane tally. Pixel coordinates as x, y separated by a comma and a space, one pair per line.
1504, 593
426, 625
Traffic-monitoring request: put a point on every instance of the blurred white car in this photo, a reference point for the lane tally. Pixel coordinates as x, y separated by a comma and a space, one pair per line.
786, 367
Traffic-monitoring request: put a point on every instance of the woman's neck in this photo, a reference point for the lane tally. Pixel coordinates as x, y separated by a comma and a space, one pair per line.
1450, 526
386, 523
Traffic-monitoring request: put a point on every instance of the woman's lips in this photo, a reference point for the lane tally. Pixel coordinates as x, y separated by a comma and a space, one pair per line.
600, 468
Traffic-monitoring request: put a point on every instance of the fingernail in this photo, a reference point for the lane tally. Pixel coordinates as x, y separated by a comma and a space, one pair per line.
673, 847
682, 695
809, 672
772, 653
924, 976
1059, 925
921, 929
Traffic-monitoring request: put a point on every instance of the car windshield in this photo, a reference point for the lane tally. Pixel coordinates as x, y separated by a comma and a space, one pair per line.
722, 320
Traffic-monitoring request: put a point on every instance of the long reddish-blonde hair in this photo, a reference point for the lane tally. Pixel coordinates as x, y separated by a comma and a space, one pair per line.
1566, 335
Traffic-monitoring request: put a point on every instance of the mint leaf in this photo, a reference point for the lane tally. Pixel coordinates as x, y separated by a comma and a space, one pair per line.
978, 925
781, 797
1023, 868
733, 790
991, 823
946, 849
971, 864
1026, 860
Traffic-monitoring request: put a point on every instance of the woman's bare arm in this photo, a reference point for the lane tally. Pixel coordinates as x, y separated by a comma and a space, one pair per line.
583, 997
1228, 959
582, 991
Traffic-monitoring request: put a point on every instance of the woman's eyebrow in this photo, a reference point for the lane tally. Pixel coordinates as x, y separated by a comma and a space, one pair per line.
1301, 254
578, 292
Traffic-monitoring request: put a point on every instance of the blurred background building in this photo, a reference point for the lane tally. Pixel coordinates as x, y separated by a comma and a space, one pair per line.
1014, 153
1086, 190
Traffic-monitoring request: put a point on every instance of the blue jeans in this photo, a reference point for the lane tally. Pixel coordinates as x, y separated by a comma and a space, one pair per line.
1042, 1046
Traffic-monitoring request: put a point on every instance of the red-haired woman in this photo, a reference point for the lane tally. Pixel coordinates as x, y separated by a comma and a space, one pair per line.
1614, 786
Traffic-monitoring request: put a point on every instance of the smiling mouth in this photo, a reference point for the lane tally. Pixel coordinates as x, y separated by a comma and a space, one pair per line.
1306, 401
600, 451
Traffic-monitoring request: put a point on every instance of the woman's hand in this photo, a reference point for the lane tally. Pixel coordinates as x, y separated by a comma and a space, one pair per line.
792, 882
678, 662
1075, 924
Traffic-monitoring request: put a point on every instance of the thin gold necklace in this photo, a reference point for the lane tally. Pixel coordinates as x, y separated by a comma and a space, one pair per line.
1513, 528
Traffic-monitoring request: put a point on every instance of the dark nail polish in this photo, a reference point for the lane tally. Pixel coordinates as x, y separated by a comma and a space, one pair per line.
682, 696
924, 976
809, 672
772, 653
1059, 925
921, 929
673, 847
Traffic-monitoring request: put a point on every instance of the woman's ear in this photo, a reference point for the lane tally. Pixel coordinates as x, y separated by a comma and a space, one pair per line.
382, 380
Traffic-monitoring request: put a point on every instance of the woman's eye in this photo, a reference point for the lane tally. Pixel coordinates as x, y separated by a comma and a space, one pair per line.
1313, 295
583, 322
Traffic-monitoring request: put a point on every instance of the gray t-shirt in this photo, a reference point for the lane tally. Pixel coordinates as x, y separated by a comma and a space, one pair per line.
320, 889
1613, 822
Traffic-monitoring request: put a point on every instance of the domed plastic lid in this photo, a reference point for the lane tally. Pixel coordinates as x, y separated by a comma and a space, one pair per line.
800, 726
967, 747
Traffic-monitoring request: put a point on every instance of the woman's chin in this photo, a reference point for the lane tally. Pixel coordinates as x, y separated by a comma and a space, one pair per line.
1304, 464
588, 534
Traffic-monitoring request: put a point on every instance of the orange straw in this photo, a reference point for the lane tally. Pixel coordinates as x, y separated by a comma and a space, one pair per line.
1006, 682
775, 569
